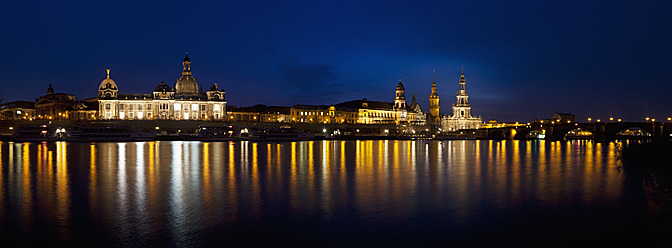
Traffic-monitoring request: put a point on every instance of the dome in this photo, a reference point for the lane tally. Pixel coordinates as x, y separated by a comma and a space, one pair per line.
186, 85
162, 87
108, 83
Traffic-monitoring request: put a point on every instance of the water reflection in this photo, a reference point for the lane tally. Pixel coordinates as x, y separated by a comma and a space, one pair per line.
185, 192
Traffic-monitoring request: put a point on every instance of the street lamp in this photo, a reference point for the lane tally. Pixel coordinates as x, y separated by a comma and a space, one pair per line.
619, 120
611, 119
589, 119
647, 119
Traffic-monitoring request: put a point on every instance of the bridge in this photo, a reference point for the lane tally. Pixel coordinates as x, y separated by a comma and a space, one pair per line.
601, 131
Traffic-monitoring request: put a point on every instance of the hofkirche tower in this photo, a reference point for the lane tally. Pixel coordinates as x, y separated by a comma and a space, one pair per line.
434, 104
461, 118
186, 84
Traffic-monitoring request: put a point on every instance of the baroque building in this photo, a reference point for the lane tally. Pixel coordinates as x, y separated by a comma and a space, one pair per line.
362, 111
461, 118
185, 101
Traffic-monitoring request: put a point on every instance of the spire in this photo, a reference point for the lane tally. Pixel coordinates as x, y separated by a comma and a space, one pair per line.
186, 57
108, 73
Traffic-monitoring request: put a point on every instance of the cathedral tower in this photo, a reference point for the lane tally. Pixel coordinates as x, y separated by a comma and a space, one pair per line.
434, 103
400, 99
462, 109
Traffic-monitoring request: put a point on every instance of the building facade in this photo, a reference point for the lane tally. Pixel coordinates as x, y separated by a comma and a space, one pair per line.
17, 110
185, 101
461, 118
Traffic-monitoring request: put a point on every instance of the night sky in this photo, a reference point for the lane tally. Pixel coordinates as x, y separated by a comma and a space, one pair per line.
522, 59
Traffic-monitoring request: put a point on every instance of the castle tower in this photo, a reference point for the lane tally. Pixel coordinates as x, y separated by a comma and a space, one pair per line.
462, 108
434, 103
400, 98
186, 84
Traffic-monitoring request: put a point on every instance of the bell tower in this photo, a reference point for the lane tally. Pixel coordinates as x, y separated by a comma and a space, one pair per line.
434, 103
400, 98
462, 108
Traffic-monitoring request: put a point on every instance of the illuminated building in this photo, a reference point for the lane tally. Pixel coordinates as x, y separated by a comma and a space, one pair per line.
563, 117
323, 114
183, 102
54, 105
260, 113
17, 110
461, 118
433, 116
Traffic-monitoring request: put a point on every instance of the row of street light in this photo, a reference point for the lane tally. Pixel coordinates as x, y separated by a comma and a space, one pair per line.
611, 119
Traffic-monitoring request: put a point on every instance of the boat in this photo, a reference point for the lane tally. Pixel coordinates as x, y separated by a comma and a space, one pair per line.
113, 133
214, 133
453, 137
275, 134
31, 133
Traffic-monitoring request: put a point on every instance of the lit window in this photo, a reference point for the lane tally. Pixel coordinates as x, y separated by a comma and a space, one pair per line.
186, 116
216, 107
194, 107
177, 107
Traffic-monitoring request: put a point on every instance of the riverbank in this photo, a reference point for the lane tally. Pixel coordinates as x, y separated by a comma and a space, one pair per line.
653, 161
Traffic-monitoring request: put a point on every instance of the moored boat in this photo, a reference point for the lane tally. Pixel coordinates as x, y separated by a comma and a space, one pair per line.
32, 133
214, 133
275, 134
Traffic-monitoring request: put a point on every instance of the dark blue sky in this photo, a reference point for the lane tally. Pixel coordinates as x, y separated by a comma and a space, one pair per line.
522, 59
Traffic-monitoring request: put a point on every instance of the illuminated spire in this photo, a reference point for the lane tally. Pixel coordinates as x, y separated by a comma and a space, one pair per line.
108, 73
434, 78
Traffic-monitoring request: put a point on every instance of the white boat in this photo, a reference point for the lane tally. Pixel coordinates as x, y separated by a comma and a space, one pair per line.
275, 134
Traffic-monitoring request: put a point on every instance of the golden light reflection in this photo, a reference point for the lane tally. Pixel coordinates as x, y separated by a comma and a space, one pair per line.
233, 184
206, 179
93, 182
62, 185
256, 188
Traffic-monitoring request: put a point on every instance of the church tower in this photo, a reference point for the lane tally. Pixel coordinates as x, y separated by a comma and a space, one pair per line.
186, 84
400, 99
462, 109
434, 103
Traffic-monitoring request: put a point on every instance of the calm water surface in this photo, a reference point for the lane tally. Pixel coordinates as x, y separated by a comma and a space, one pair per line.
467, 193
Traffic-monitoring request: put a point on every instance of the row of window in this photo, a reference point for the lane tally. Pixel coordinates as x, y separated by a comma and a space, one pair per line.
140, 116
163, 106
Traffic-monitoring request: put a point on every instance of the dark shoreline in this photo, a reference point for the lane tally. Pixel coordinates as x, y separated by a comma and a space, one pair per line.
652, 161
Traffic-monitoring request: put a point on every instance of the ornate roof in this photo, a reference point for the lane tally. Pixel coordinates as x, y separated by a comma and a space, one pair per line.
162, 87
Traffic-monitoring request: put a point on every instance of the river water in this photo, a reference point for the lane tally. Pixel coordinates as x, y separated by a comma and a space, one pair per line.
182, 194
